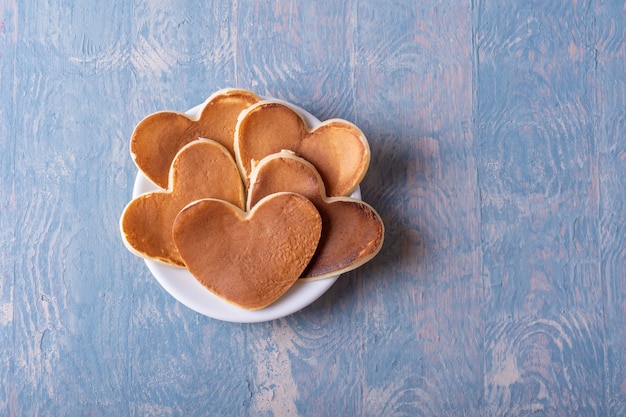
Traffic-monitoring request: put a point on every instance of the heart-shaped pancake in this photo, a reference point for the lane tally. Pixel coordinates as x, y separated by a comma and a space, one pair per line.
252, 258
337, 148
352, 231
201, 169
158, 137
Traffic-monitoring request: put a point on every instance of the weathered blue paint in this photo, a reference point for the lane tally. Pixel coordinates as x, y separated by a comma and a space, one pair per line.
497, 131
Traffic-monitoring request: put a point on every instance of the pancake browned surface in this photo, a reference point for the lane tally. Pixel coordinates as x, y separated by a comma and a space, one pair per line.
352, 231
201, 169
157, 138
249, 259
337, 148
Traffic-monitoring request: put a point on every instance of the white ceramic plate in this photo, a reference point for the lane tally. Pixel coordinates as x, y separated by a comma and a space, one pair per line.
187, 290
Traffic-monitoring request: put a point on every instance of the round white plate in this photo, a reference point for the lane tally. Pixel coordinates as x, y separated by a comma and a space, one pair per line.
187, 290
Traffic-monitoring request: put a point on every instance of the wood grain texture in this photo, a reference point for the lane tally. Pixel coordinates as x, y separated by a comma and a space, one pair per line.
415, 104
610, 130
8, 22
498, 157
537, 80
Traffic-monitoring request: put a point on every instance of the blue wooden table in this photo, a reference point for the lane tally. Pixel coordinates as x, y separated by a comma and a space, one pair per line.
498, 137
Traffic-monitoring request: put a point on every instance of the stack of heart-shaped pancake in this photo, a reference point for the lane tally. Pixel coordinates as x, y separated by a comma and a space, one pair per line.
251, 198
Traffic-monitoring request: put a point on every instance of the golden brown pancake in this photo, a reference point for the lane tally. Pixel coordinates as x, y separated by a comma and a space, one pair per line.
157, 138
201, 169
338, 149
352, 231
249, 259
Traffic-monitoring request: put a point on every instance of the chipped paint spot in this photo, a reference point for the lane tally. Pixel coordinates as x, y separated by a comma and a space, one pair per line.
508, 373
6, 314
